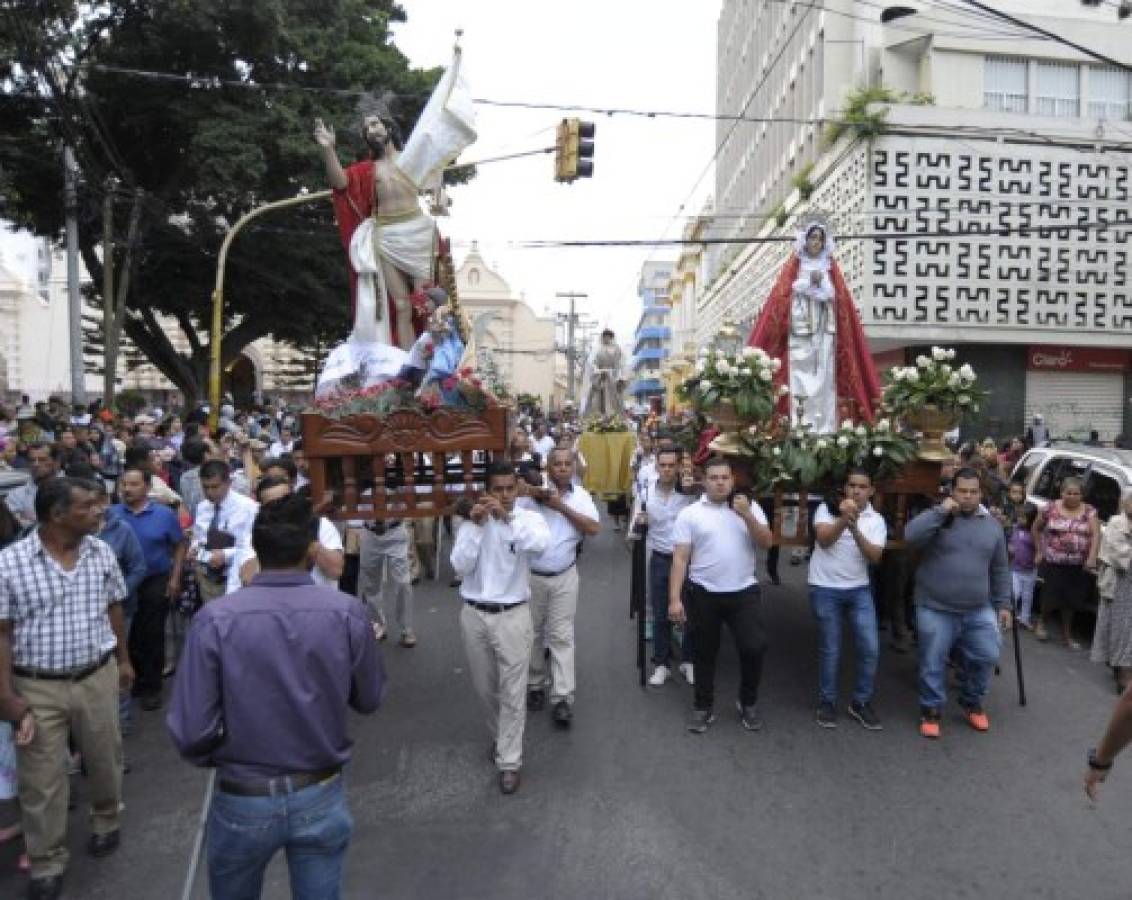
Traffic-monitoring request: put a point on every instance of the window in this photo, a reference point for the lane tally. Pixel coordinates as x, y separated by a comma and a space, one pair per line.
1109, 92
1004, 84
1059, 90
1025, 468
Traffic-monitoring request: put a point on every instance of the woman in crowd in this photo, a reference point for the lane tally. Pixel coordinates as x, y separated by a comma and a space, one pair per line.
1112, 640
1067, 535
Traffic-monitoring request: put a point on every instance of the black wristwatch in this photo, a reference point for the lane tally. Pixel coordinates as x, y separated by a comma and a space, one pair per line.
1095, 764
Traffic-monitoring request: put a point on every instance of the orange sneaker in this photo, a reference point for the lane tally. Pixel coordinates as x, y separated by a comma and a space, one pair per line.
929, 724
977, 719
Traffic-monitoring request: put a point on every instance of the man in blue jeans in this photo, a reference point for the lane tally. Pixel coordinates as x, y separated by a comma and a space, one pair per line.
845, 545
962, 596
261, 693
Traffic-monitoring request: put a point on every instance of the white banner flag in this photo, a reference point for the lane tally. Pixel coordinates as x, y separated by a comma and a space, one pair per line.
445, 128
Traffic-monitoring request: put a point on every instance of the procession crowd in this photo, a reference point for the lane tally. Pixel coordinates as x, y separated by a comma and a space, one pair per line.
131, 528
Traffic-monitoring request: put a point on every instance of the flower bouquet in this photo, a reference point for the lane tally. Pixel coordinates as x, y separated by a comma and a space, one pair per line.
609, 424
734, 390
932, 397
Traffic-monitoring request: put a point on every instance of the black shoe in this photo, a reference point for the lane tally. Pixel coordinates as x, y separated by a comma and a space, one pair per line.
699, 720
103, 844
749, 716
150, 702
866, 715
826, 715
508, 782
48, 888
563, 714
536, 701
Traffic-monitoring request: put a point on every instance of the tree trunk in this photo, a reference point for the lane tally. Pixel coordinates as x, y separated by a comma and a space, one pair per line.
114, 307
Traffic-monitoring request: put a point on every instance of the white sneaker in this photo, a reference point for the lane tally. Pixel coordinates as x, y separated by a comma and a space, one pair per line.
686, 671
659, 676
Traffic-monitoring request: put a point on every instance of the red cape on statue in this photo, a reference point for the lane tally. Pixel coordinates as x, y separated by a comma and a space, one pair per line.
353, 204
858, 388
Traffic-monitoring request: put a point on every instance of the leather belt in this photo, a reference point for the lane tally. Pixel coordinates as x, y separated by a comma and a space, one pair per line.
493, 608
552, 574
280, 784
52, 675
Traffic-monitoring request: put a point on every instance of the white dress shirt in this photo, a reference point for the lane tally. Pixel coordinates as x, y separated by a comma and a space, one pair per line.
494, 558
328, 537
844, 565
544, 445
562, 551
723, 554
237, 516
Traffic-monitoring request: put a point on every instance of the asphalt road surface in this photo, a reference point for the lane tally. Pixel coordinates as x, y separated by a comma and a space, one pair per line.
627, 804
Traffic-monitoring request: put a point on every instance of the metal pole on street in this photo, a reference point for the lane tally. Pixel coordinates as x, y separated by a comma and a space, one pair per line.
571, 353
74, 299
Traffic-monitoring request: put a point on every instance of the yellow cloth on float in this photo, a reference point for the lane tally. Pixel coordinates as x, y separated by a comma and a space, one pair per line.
609, 460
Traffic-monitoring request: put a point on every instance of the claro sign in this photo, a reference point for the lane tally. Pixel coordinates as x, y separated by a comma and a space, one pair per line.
1079, 359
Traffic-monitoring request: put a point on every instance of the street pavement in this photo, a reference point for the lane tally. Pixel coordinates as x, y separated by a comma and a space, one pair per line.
627, 804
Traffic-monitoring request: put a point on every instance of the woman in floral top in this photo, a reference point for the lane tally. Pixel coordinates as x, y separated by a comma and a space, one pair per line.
1067, 535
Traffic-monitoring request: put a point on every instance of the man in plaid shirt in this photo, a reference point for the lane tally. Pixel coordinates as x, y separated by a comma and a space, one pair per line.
63, 657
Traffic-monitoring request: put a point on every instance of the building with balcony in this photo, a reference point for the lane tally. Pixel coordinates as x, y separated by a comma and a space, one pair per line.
652, 341
982, 201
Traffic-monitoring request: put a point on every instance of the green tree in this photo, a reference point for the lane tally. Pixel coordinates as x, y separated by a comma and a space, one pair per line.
194, 157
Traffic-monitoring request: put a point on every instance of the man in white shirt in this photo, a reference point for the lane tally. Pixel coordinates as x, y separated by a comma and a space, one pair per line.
222, 529
542, 442
570, 515
285, 444
844, 548
492, 554
714, 547
657, 504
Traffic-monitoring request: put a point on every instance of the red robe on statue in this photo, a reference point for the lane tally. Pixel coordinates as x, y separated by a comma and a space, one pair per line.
353, 204
858, 388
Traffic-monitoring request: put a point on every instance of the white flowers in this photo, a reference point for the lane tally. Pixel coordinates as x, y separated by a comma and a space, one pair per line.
777, 451
954, 380
884, 425
775, 364
843, 441
783, 390
861, 431
878, 451
744, 371
821, 444
764, 375
847, 425
705, 385
966, 372
964, 400
939, 354
911, 376
923, 362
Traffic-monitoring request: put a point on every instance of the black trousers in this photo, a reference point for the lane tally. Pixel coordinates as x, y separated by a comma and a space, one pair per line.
147, 635
742, 613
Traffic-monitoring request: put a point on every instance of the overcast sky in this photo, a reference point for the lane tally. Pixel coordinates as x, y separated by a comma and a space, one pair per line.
647, 54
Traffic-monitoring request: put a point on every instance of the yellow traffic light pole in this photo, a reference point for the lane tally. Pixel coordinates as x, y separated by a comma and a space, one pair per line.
218, 295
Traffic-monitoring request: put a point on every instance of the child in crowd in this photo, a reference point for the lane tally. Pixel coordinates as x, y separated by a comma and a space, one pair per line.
1023, 571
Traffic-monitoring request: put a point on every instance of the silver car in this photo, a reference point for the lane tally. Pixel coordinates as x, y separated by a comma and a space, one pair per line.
1104, 472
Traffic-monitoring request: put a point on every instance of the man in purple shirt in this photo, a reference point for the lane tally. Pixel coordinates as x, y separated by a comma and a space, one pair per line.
261, 693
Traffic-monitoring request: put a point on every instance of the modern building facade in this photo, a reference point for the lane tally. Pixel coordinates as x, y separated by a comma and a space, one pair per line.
983, 202
652, 340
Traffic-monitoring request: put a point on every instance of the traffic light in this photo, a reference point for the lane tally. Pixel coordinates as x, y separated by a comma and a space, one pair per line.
574, 150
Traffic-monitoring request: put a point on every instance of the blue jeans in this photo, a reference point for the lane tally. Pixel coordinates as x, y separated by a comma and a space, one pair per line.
313, 826
659, 569
977, 641
829, 605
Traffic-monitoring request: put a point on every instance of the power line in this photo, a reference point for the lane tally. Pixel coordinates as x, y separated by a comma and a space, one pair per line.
1037, 29
1041, 230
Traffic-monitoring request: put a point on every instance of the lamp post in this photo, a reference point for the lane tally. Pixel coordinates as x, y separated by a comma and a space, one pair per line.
218, 295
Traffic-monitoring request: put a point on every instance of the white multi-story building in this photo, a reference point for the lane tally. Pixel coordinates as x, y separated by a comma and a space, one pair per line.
991, 211
35, 337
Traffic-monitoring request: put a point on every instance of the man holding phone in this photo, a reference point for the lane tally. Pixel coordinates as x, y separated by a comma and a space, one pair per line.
491, 555
962, 596
714, 547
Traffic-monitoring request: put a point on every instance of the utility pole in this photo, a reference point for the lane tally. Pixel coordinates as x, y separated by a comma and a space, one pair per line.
108, 358
571, 321
71, 201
